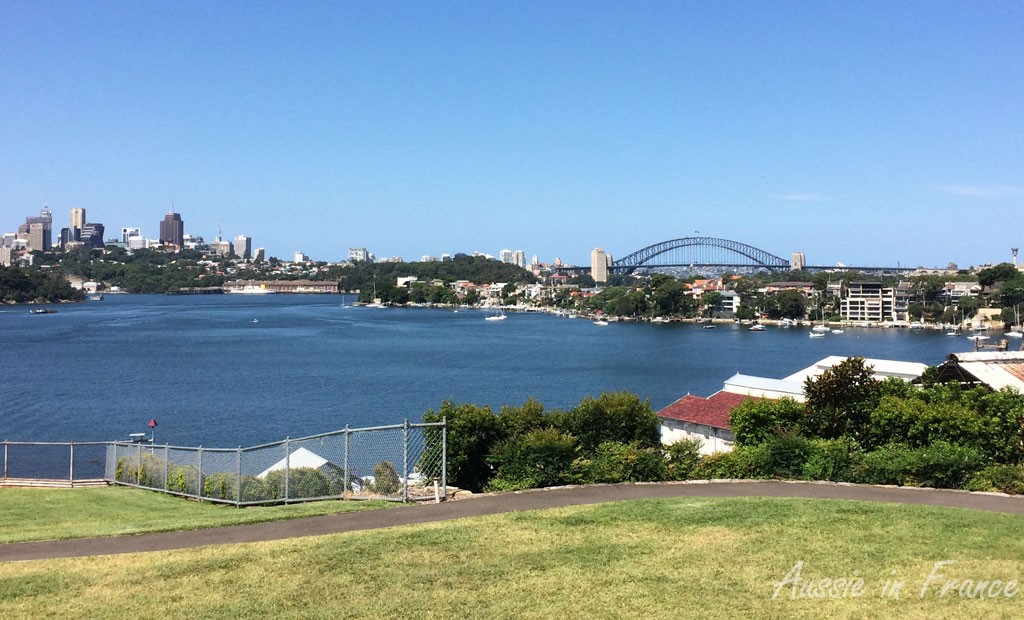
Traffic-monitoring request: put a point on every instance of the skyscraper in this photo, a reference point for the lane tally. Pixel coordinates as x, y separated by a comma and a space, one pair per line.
77, 218
172, 230
599, 263
243, 246
38, 229
92, 235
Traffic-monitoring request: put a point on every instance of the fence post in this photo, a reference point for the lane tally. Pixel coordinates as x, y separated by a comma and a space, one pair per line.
238, 492
167, 458
348, 483
71, 471
287, 465
444, 457
138, 468
5, 459
199, 490
405, 461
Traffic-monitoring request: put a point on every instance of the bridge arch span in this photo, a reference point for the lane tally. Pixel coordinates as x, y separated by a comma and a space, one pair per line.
704, 251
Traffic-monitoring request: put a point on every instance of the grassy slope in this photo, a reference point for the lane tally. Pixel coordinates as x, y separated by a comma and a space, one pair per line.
678, 558
43, 514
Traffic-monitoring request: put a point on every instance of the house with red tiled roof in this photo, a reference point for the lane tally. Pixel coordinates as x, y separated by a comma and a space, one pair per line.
706, 419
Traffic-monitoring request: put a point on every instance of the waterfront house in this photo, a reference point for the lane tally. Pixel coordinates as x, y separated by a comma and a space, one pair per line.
992, 369
707, 419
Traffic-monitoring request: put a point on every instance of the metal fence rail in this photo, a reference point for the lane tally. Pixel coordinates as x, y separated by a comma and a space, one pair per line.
404, 462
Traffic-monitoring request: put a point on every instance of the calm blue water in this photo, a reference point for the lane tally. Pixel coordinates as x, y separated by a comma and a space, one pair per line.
212, 376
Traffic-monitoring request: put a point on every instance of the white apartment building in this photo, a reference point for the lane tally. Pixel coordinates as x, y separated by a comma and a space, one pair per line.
873, 302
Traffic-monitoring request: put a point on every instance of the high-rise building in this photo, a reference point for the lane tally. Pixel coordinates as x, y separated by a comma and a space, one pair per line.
519, 259
92, 235
599, 263
38, 230
77, 218
127, 234
505, 256
172, 230
222, 247
301, 258
243, 246
260, 255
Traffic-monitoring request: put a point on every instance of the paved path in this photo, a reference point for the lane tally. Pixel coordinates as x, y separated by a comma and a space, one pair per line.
499, 503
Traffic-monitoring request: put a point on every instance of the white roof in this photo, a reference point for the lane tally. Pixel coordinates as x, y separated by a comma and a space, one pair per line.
881, 369
298, 458
763, 387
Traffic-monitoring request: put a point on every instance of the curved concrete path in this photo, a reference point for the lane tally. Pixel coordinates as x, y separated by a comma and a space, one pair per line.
499, 503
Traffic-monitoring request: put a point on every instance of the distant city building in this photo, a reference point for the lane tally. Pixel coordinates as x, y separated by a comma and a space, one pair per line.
37, 230
127, 234
301, 258
194, 242
797, 261
92, 235
77, 217
505, 256
172, 230
599, 263
359, 255
222, 247
519, 259
243, 246
6, 255
260, 255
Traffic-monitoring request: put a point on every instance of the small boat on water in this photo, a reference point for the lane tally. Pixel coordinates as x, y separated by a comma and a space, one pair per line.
837, 331
814, 334
42, 311
96, 297
710, 326
601, 323
757, 328
496, 317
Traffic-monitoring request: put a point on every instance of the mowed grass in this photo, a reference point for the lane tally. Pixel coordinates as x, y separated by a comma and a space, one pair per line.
47, 514
673, 558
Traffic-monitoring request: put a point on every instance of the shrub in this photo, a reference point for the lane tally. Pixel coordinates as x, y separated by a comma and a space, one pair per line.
835, 460
886, 465
683, 458
756, 420
998, 479
784, 455
540, 458
742, 462
385, 479
613, 416
222, 485
940, 465
840, 400
614, 461
472, 434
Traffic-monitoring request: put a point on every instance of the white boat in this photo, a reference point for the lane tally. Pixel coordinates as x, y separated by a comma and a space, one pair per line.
837, 331
96, 297
977, 337
710, 326
820, 329
787, 322
817, 334
601, 323
251, 289
757, 328
916, 325
496, 317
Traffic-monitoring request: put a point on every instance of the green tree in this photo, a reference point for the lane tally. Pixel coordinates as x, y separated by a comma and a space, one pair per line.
755, 420
472, 432
613, 416
841, 399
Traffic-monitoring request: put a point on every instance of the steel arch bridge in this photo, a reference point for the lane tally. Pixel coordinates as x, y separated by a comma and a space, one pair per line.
700, 252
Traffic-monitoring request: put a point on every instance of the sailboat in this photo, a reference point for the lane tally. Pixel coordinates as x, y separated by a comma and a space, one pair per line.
1015, 331
496, 317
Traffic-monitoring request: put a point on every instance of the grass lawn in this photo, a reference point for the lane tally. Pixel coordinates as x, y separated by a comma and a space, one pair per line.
672, 558
45, 514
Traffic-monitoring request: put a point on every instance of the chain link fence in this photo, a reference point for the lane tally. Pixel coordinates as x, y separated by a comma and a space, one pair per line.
405, 462
27, 463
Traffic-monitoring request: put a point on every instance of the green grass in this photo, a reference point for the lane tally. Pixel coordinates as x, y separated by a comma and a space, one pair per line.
678, 558
46, 514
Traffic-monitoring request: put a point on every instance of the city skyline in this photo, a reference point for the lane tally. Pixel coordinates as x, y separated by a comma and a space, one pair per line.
856, 134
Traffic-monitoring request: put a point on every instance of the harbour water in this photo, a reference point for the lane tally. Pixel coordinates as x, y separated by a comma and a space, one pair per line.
227, 371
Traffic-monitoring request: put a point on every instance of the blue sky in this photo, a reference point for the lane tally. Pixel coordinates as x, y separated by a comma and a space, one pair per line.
862, 133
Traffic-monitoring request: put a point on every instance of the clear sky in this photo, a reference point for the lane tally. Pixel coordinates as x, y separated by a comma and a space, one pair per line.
858, 132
